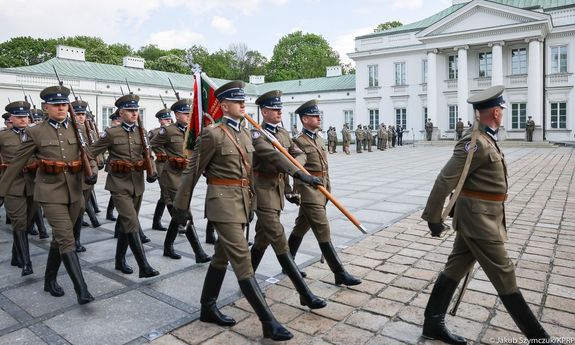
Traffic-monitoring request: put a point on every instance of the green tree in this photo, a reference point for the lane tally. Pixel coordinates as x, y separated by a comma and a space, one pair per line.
151, 52
387, 26
169, 63
245, 62
299, 55
25, 51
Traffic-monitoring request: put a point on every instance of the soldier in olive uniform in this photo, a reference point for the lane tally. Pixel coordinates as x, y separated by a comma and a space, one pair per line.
530, 128
294, 131
224, 154
459, 129
369, 137
429, 129
164, 118
170, 142
479, 219
19, 200
332, 140
271, 169
359, 136
114, 121
126, 165
58, 186
346, 138
312, 209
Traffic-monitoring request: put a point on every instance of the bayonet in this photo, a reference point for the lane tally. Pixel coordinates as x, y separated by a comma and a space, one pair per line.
128, 84
173, 88
164, 103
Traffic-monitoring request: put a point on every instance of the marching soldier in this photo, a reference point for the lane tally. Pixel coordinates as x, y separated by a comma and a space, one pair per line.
126, 165
170, 142
271, 169
294, 131
358, 139
530, 128
429, 129
38, 216
165, 118
479, 219
224, 153
58, 186
19, 200
459, 129
346, 137
312, 209
115, 121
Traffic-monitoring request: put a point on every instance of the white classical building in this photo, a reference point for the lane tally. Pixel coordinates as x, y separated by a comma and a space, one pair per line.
429, 68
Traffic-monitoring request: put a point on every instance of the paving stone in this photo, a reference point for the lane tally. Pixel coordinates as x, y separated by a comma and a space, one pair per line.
334, 311
383, 306
312, 324
6, 320
402, 331
285, 313
378, 340
410, 283
345, 334
227, 338
369, 287
197, 332
369, 321
168, 339
116, 320
23, 336
560, 318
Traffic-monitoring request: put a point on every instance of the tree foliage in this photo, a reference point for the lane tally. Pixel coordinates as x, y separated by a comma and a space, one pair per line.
388, 25
299, 55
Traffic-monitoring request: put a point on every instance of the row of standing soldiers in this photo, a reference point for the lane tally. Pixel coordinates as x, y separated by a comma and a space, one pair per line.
365, 139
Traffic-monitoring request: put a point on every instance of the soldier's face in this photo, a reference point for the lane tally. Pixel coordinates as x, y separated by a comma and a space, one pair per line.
165, 121
19, 121
272, 116
57, 112
130, 116
81, 118
182, 118
311, 122
498, 116
234, 109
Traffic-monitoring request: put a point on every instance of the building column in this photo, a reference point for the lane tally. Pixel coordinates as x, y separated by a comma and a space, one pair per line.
535, 85
462, 84
432, 92
497, 63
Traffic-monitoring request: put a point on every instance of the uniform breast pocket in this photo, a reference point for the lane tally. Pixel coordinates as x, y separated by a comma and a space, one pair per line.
494, 157
49, 143
72, 141
177, 139
250, 148
229, 150
485, 208
120, 141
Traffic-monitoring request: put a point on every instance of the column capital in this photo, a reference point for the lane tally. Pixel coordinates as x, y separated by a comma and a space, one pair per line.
463, 47
531, 39
496, 43
432, 51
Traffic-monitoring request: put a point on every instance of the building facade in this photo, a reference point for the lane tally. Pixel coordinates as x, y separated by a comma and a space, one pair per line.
429, 68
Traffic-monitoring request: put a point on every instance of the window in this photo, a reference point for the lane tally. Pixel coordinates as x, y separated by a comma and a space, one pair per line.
453, 110
452, 67
373, 75
143, 114
424, 71
424, 116
519, 61
518, 115
400, 117
559, 59
559, 115
400, 73
293, 119
348, 118
105, 118
485, 60
374, 117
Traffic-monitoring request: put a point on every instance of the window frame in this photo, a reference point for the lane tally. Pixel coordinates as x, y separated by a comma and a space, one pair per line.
561, 119
516, 118
452, 115
522, 60
373, 75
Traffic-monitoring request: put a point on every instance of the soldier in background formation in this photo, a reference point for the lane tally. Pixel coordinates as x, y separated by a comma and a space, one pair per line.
368, 137
169, 142
359, 136
346, 138
164, 118
57, 188
392, 135
331, 140
428, 129
294, 131
399, 131
312, 213
529, 128
114, 121
382, 137
459, 129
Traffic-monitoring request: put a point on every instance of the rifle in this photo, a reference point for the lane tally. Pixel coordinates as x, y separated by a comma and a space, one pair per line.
26, 100
79, 137
163, 102
150, 173
91, 123
173, 88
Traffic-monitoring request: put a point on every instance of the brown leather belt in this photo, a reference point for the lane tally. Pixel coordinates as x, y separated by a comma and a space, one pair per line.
269, 176
318, 173
229, 182
483, 195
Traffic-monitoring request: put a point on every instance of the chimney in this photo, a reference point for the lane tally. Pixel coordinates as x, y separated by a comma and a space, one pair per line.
70, 53
257, 79
133, 62
333, 71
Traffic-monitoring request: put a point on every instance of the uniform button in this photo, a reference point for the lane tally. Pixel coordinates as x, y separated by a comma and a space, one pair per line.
63, 156
62, 148
60, 133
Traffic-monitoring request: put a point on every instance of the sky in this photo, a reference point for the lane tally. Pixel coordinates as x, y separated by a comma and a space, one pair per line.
214, 24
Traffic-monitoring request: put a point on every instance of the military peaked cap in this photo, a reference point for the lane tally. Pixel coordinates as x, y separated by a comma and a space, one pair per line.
309, 108
55, 95
6, 116
232, 91
115, 115
182, 106
164, 113
129, 102
271, 100
18, 108
79, 106
488, 98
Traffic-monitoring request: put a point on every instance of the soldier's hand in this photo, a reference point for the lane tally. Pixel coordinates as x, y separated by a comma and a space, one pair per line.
91, 180
180, 216
309, 179
437, 228
101, 165
152, 179
293, 198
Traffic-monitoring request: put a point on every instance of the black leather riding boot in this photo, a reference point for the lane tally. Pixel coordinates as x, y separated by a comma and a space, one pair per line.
39, 220
192, 237
210, 233
16, 261
77, 230
294, 242
306, 297
23, 249
146, 271
210, 292
271, 327
434, 324
143, 237
52, 266
72, 265
158, 213
110, 210
120, 258
341, 275
169, 241
256, 255
92, 215
117, 229
94, 201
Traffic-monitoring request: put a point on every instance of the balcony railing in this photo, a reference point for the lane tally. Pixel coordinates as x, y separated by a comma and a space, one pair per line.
451, 84
517, 80
558, 79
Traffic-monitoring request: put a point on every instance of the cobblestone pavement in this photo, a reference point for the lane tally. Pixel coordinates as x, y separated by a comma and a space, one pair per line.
398, 262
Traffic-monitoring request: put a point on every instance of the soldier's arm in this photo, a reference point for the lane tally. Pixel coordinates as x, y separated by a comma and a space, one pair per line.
267, 152
159, 140
101, 145
25, 151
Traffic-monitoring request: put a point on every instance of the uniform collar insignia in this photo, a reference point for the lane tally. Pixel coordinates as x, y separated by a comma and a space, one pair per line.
271, 128
17, 130
309, 133
128, 128
232, 123
181, 128
57, 124
491, 132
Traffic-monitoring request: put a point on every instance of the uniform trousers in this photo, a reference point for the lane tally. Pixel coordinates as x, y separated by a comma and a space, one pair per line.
314, 216
269, 230
128, 207
492, 257
232, 247
61, 218
19, 209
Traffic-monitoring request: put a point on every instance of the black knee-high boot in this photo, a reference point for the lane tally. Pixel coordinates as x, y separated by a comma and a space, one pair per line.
210, 292
39, 220
16, 260
306, 297
256, 254
294, 242
171, 235
120, 258
146, 271
72, 265
158, 213
192, 237
341, 275
92, 215
210, 233
94, 201
143, 237
23, 249
110, 210
77, 230
52, 266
